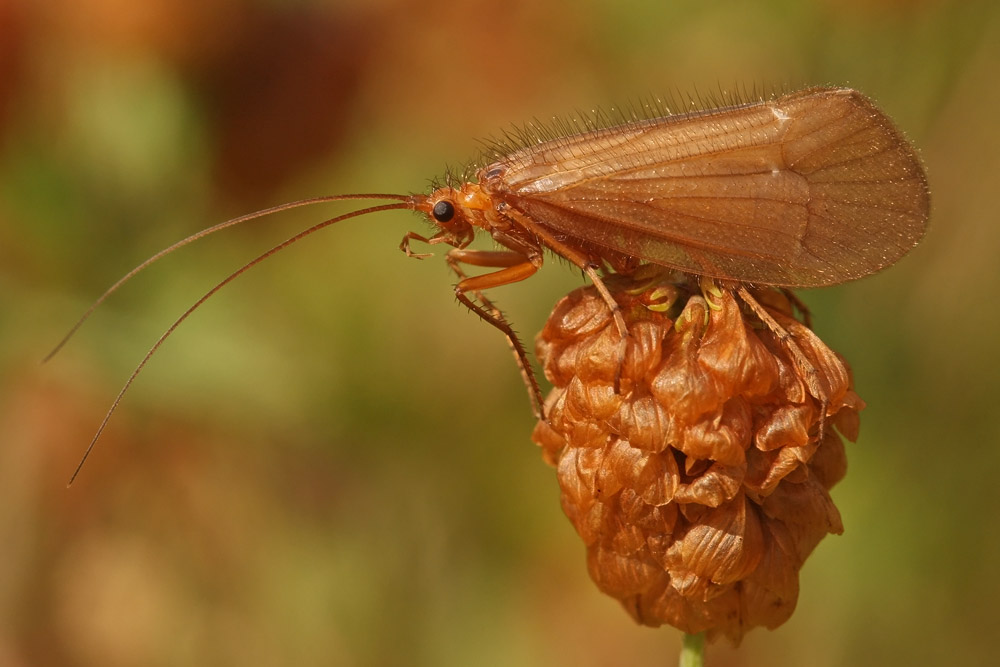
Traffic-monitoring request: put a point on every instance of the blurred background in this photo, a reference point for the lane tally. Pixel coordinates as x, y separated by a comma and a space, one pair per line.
330, 462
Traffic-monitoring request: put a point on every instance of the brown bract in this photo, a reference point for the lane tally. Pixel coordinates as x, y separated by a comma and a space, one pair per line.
700, 487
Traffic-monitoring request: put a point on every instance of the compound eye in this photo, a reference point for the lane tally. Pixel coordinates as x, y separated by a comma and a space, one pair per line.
443, 211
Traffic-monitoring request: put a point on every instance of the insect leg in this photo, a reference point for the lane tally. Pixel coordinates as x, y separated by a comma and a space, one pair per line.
488, 258
616, 313
514, 267
576, 257
799, 306
588, 267
799, 358
404, 245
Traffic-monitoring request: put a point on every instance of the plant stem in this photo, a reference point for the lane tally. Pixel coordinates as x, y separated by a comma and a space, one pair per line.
693, 650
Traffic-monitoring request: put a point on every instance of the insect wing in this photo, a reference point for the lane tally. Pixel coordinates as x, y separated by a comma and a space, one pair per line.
811, 189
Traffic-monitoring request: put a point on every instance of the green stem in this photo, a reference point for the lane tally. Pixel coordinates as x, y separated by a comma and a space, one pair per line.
693, 650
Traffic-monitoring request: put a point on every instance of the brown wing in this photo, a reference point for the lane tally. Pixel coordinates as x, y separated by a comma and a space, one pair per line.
810, 189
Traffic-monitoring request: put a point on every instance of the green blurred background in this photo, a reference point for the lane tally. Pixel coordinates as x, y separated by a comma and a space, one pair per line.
330, 463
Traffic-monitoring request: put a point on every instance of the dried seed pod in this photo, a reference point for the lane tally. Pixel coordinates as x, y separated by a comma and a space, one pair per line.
702, 485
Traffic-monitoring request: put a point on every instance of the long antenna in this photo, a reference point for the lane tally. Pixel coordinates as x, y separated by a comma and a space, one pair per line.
200, 235
406, 203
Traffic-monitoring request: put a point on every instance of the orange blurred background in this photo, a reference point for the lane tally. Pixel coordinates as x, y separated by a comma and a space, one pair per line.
330, 463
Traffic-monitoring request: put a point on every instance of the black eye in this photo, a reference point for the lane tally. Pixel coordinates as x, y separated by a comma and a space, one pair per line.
443, 211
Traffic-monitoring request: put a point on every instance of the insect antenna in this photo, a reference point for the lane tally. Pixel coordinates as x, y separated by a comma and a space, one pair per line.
405, 203
200, 235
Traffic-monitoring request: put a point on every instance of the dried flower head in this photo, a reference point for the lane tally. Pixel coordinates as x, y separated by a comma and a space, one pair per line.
701, 485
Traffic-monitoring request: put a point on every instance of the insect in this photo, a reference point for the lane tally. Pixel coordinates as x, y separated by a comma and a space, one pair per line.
812, 188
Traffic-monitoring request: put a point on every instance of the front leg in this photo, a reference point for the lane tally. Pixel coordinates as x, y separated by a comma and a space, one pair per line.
442, 237
404, 245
